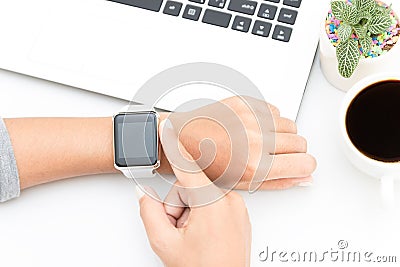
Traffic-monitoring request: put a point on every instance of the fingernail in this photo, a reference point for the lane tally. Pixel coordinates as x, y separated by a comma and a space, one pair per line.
305, 184
139, 192
166, 124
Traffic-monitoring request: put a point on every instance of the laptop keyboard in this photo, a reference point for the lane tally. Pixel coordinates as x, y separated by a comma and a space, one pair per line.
256, 17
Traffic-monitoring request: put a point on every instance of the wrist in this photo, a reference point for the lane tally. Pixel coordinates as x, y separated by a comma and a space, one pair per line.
104, 156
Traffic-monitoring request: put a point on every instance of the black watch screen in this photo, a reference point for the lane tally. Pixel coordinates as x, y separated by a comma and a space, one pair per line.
136, 139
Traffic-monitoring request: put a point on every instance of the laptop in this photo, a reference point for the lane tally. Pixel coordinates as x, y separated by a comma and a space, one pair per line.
114, 47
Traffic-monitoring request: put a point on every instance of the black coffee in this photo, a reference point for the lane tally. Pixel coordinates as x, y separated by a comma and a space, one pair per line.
373, 121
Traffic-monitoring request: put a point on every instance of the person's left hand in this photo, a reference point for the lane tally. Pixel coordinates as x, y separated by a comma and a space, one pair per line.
291, 165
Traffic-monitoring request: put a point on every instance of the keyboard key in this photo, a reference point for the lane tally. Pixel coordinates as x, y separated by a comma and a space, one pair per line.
243, 6
153, 5
282, 33
217, 18
274, 1
261, 28
292, 3
287, 16
241, 24
267, 11
195, 1
172, 8
191, 12
217, 3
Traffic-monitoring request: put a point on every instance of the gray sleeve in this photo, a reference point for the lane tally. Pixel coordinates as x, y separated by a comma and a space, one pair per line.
9, 179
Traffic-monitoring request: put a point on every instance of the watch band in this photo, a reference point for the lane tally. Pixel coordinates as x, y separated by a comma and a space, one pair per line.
136, 108
138, 172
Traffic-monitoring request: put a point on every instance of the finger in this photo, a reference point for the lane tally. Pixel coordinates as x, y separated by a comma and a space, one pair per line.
284, 125
183, 219
261, 104
252, 102
155, 219
277, 184
287, 143
291, 166
185, 168
172, 220
199, 189
274, 110
281, 184
174, 204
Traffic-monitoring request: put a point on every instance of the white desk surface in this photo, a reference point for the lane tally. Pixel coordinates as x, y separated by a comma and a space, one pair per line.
94, 221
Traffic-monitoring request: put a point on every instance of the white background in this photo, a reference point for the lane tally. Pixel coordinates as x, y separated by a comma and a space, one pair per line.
94, 221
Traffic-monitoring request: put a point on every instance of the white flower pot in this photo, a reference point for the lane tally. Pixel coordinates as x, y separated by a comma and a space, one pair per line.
389, 62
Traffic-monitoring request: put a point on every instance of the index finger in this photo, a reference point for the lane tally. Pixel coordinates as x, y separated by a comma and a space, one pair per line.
186, 170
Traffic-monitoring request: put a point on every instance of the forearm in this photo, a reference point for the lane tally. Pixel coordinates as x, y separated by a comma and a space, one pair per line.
49, 149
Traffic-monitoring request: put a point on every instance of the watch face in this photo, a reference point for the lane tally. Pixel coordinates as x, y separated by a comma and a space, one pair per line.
136, 139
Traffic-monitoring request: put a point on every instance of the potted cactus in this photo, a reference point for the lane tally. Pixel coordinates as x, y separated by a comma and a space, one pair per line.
358, 38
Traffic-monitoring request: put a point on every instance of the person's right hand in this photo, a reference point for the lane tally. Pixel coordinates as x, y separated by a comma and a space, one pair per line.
216, 234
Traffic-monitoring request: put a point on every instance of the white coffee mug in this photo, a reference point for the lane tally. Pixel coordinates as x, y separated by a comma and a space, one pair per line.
387, 172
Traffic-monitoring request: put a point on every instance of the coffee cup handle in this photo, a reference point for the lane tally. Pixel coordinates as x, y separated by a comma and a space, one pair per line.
387, 191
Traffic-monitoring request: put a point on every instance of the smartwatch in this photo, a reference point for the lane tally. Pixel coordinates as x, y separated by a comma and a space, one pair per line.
136, 141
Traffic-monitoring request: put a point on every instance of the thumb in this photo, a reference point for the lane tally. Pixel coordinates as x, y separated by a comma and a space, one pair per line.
158, 227
198, 189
